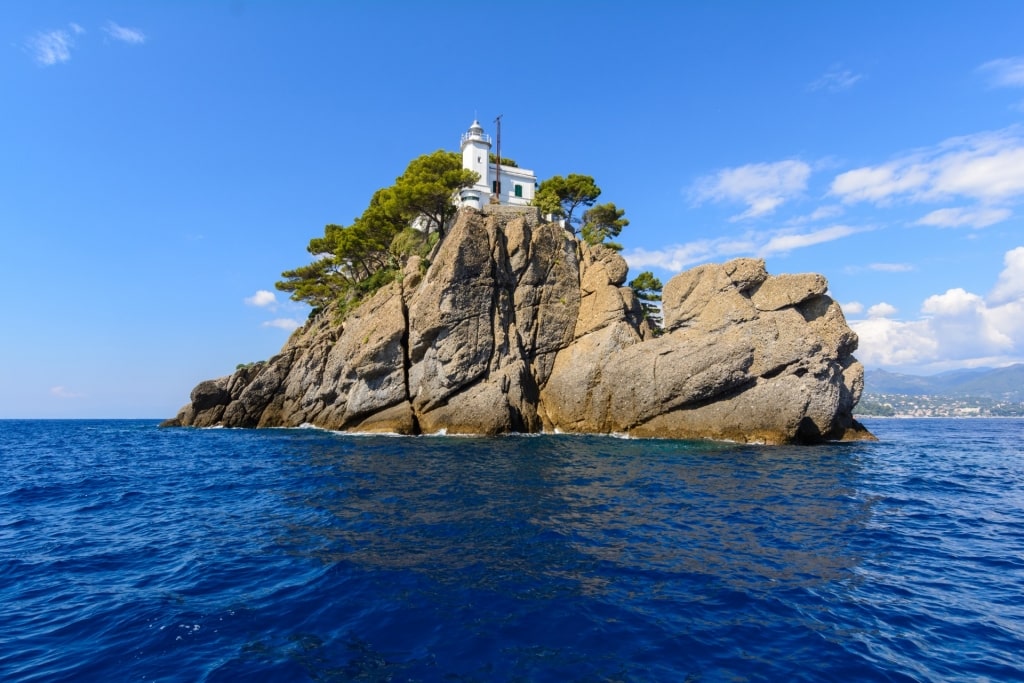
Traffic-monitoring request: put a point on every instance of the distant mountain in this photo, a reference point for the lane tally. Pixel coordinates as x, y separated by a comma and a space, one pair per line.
1003, 383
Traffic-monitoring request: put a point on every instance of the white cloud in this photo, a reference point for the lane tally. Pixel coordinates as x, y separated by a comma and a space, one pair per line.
762, 187
283, 323
960, 218
878, 183
835, 79
824, 212
52, 47
984, 174
881, 268
1010, 285
891, 267
963, 321
132, 36
987, 168
956, 329
887, 342
882, 310
1004, 73
787, 242
262, 298
957, 301
852, 308
676, 257
64, 392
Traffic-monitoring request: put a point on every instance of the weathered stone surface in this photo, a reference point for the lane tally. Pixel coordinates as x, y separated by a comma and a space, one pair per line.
705, 297
788, 290
614, 265
210, 393
516, 326
451, 332
366, 363
506, 404
745, 273
547, 293
398, 419
574, 398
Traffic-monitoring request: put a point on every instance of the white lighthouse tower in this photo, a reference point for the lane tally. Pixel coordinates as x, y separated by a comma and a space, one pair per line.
476, 146
517, 184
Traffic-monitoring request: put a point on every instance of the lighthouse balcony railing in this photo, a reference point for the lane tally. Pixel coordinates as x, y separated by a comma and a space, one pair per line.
480, 136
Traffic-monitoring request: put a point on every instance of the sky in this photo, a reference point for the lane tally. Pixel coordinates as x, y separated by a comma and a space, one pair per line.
162, 162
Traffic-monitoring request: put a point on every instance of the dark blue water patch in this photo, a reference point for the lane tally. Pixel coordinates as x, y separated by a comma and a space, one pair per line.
128, 552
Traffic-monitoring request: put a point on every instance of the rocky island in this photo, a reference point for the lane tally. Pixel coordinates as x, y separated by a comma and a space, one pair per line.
512, 324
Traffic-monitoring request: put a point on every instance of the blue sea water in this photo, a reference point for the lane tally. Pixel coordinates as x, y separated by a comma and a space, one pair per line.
132, 553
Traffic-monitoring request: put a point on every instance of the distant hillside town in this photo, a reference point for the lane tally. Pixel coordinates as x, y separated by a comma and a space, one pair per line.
977, 392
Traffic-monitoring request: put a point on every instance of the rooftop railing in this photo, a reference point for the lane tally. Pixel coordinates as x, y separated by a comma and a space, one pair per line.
480, 136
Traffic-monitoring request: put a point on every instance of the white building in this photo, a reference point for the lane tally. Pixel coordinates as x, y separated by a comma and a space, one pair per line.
517, 184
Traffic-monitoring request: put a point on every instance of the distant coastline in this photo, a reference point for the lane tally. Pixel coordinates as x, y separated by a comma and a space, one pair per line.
862, 416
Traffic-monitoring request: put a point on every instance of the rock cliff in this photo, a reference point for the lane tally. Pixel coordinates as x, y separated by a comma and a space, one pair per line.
517, 327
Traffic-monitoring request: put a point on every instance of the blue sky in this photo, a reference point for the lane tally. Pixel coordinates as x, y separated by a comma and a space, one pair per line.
162, 162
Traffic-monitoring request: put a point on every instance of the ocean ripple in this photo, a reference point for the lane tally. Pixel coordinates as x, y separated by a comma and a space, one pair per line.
133, 553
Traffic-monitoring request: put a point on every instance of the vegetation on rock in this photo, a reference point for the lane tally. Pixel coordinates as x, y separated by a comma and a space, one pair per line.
560, 197
355, 260
648, 291
427, 186
601, 222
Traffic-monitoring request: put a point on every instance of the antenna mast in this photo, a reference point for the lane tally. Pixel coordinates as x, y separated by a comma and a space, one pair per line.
497, 163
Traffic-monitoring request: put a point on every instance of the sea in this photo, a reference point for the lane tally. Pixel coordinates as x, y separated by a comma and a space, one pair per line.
134, 553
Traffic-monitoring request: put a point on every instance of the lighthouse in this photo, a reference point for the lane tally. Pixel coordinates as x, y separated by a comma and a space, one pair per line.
517, 184
476, 148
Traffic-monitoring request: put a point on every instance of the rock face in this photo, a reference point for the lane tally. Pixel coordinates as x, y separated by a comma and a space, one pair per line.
517, 327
